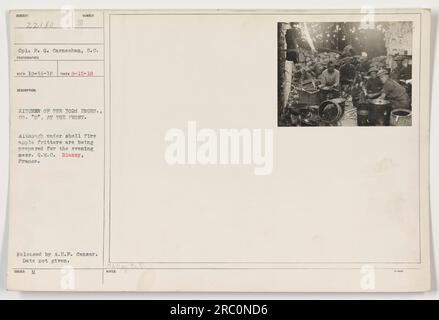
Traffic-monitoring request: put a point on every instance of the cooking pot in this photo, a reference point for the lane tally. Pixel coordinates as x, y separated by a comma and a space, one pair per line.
379, 112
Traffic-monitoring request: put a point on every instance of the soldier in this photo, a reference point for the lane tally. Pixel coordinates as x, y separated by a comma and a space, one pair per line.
330, 77
393, 91
373, 84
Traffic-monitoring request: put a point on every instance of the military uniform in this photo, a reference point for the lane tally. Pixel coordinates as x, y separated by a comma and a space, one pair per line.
396, 94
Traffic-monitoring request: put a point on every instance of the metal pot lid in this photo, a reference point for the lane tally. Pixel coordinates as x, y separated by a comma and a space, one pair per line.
379, 101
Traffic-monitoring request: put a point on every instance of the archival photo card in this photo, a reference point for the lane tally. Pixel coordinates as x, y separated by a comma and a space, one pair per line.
154, 150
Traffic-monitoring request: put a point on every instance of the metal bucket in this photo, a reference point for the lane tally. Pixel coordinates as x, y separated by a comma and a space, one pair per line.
379, 112
309, 97
401, 117
331, 111
362, 117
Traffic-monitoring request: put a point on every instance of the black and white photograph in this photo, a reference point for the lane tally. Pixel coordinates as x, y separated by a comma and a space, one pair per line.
345, 73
